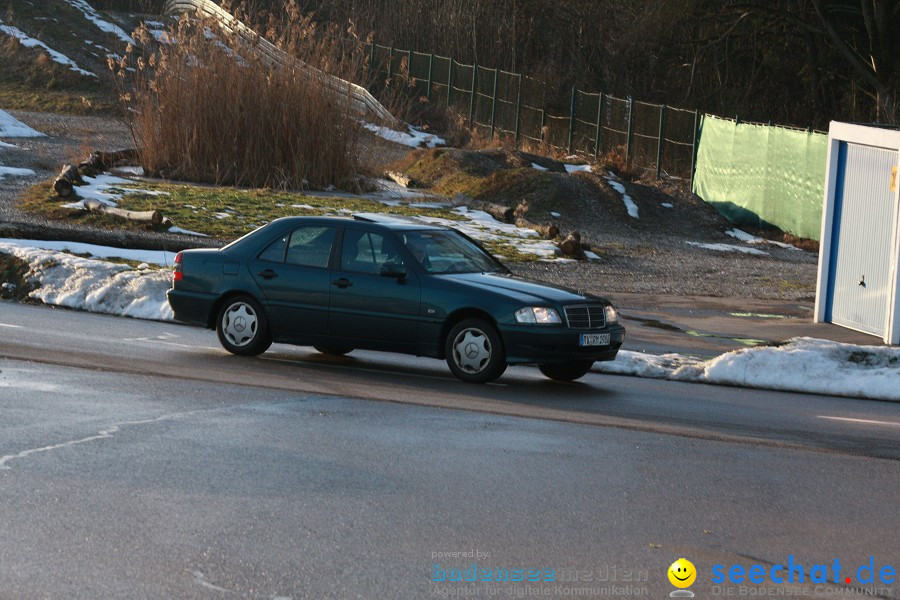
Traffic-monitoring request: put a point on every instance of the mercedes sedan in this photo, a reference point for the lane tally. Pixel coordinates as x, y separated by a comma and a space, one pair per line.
377, 283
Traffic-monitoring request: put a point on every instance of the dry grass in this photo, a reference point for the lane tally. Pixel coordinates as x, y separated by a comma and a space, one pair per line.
204, 112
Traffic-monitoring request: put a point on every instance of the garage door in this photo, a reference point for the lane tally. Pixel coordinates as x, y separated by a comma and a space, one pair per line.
860, 279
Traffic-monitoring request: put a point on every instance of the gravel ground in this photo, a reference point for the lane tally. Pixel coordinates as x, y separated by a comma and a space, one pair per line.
649, 255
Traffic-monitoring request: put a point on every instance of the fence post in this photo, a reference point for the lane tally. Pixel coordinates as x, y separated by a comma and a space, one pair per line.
629, 130
474, 83
660, 139
430, 80
518, 109
494, 103
599, 126
694, 147
372, 59
391, 66
572, 117
543, 124
450, 82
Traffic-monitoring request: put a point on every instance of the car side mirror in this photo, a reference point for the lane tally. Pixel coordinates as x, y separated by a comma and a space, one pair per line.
397, 270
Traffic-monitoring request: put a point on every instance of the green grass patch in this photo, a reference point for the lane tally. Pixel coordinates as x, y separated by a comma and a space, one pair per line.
227, 213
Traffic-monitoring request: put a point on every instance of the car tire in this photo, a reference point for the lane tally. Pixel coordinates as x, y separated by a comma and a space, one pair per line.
333, 350
242, 326
569, 371
475, 352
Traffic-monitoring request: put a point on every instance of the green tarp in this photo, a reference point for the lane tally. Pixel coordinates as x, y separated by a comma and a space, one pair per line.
758, 175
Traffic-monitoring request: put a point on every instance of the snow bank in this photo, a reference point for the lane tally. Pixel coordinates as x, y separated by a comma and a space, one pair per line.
30, 42
95, 285
11, 127
413, 138
801, 365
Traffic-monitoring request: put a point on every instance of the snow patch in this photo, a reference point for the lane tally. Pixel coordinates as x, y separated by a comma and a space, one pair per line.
728, 248
91, 14
538, 167
174, 229
630, 206
667, 205
30, 42
106, 189
413, 138
752, 239
156, 257
5, 145
578, 168
14, 172
11, 127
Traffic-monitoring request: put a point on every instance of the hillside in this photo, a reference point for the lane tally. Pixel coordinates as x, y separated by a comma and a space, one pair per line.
53, 56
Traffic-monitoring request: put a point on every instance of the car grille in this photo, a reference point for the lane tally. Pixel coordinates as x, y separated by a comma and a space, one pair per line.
586, 316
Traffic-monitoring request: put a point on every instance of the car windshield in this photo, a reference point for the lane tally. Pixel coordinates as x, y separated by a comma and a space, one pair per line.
446, 251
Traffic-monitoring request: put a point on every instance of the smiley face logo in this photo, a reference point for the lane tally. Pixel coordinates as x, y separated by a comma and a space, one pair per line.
682, 573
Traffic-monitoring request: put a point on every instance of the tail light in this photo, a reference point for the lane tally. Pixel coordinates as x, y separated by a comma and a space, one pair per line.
178, 274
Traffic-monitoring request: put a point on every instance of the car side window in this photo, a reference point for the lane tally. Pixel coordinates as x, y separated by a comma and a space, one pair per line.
365, 252
275, 251
310, 246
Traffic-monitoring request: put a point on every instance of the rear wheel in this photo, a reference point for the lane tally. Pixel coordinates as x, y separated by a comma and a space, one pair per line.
333, 350
474, 351
569, 371
242, 327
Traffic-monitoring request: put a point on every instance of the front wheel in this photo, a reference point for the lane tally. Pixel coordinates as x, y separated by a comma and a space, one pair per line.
569, 371
242, 327
474, 351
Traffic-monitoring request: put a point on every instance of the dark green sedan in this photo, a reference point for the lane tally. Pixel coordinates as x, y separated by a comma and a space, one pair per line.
383, 284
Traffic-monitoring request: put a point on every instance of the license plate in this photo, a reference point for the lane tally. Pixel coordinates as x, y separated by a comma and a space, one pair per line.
594, 339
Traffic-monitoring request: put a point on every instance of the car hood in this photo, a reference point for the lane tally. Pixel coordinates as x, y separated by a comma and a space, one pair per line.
519, 289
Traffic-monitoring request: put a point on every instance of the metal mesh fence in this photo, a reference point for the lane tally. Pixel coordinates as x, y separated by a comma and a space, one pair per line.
648, 136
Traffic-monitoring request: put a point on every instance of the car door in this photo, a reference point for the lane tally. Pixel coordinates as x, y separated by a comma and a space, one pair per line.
293, 274
368, 308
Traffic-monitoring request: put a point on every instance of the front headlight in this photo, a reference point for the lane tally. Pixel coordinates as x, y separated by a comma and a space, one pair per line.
611, 315
537, 315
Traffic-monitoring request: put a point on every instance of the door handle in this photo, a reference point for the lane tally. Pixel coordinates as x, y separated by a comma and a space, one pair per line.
342, 283
268, 274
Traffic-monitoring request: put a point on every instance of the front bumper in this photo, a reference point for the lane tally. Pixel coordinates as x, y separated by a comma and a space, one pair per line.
545, 345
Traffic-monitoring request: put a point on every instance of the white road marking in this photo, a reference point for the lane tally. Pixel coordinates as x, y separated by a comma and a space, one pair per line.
164, 343
862, 421
10, 326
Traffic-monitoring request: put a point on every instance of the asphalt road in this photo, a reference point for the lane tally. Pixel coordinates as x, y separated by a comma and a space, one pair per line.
139, 460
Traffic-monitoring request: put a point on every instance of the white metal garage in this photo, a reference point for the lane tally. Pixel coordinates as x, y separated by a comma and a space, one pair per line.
858, 284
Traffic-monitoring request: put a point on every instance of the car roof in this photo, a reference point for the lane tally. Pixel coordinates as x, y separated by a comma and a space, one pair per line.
392, 222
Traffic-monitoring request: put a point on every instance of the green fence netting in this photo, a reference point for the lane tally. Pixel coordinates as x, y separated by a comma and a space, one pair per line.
758, 174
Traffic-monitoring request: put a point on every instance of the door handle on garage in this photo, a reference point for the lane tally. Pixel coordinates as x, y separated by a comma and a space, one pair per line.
343, 282
268, 274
